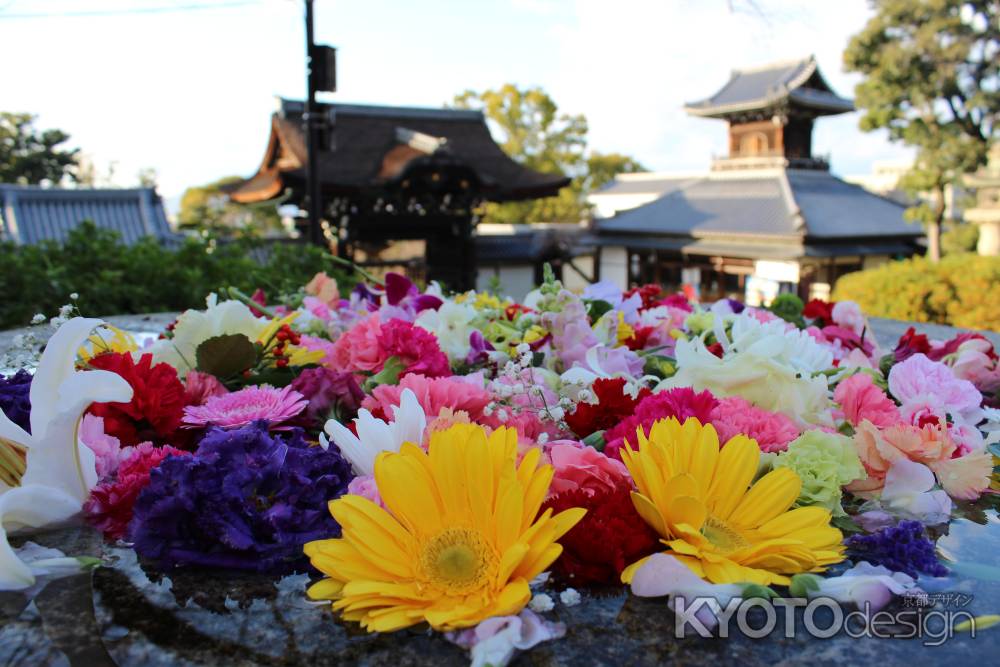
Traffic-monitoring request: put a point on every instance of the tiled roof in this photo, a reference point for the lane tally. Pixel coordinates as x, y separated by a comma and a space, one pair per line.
29, 214
798, 81
368, 146
788, 206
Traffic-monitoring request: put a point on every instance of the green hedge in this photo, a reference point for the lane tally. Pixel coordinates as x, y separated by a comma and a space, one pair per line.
113, 278
961, 290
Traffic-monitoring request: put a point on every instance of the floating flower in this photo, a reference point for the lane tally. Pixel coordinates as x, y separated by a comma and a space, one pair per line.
824, 462
194, 327
157, 404
613, 404
328, 391
459, 393
860, 399
415, 348
909, 493
460, 541
771, 430
700, 500
918, 382
246, 406
610, 536
581, 468
682, 403
494, 642
199, 387
767, 364
245, 500
866, 586
901, 548
14, 398
109, 507
375, 435
46, 475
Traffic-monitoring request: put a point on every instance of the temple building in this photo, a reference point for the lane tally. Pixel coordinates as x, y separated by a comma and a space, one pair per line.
401, 185
767, 218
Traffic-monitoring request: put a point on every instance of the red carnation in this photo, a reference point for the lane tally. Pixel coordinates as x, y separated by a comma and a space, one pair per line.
820, 310
911, 343
650, 294
639, 339
157, 404
610, 537
613, 405
109, 507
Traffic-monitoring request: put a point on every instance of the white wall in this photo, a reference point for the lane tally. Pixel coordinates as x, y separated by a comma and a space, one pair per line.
515, 281
614, 265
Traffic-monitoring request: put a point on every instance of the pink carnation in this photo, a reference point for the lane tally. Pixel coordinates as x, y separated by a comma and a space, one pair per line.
313, 344
772, 430
926, 387
681, 402
199, 387
579, 467
433, 394
109, 507
860, 399
358, 348
107, 448
246, 406
415, 347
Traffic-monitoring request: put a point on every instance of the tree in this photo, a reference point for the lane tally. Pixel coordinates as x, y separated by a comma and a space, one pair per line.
931, 79
208, 208
532, 131
29, 156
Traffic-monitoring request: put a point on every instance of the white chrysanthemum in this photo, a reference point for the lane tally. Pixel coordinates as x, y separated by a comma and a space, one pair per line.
764, 363
452, 324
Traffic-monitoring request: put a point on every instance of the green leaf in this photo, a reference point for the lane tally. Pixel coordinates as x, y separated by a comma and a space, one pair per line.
389, 374
596, 308
802, 584
660, 366
595, 440
227, 355
751, 591
846, 524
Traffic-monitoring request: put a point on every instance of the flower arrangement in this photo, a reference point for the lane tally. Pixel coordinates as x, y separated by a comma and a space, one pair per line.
433, 458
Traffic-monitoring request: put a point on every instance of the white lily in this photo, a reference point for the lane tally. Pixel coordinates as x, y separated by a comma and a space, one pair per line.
375, 435
58, 471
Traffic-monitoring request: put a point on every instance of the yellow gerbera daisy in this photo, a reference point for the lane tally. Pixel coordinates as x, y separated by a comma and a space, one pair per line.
699, 498
459, 543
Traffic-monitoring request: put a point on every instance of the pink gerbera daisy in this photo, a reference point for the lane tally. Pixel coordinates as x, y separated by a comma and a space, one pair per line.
246, 406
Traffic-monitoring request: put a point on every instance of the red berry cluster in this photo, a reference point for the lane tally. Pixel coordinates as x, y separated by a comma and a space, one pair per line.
284, 336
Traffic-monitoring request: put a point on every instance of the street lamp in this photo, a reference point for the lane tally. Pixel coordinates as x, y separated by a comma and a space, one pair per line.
321, 76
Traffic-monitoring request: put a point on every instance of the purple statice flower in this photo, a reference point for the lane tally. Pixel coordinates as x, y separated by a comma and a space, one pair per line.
14, 400
246, 500
328, 391
901, 548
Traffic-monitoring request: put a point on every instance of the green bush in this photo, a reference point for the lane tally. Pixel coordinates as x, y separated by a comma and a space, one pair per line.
113, 278
959, 238
962, 290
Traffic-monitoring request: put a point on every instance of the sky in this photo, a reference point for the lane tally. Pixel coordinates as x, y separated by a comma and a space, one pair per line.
186, 87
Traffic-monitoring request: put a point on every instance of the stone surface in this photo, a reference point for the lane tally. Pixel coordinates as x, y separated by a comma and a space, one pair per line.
127, 613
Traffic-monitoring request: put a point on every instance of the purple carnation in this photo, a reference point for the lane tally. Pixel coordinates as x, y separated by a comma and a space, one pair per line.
14, 400
330, 394
901, 548
246, 500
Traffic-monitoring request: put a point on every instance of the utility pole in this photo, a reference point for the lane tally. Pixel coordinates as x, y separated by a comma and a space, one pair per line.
312, 121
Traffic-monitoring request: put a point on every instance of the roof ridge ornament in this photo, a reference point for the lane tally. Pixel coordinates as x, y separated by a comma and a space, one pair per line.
425, 143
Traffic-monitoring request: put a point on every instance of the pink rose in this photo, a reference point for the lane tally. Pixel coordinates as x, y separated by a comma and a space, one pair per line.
581, 467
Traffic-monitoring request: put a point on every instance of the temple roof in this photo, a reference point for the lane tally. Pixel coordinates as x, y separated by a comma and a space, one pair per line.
796, 83
369, 147
29, 214
791, 209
